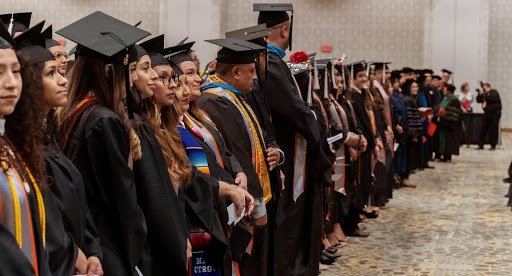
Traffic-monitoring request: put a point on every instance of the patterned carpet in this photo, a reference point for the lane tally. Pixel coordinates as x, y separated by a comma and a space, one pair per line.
454, 223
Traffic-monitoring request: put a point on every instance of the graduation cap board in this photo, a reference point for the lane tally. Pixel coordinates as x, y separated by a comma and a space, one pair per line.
254, 34
103, 36
236, 51
48, 36
178, 54
274, 14
31, 45
155, 49
16, 22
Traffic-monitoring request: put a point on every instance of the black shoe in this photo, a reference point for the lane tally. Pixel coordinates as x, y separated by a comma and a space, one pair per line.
507, 180
331, 255
493, 148
480, 148
332, 249
326, 260
372, 215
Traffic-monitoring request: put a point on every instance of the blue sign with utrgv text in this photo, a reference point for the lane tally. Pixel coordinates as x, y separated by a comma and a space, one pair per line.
200, 267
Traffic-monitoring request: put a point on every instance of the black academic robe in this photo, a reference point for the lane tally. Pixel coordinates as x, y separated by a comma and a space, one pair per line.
110, 188
298, 223
450, 126
363, 181
68, 191
240, 236
230, 123
166, 250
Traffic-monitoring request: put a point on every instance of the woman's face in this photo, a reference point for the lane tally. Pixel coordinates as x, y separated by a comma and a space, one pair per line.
183, 94
414, 89
189, 69
146, 77
55, 91
62, 58
165, 87
10, 81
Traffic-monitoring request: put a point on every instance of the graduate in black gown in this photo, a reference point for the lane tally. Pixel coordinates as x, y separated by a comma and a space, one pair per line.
76, 249
449, 123
98, 138
244, 137
23, 215
414, 130
298, 228
167, 230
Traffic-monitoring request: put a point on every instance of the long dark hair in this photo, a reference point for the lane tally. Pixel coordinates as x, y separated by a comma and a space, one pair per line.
24, 127
87, 75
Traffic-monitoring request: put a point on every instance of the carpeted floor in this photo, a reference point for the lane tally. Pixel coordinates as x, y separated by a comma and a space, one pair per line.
454, 223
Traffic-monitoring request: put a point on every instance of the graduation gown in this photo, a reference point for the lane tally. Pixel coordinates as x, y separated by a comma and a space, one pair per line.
449, 128
231, 125
298, 215
415, 130
68, 192
363, 190
238, 237
110, 188
166, 251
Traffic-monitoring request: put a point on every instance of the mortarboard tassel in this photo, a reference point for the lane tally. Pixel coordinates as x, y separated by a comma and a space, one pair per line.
326, 86
352, 74
11, 24
317, 84
309, 97
367, 70
383, 74
334, 86
343, 77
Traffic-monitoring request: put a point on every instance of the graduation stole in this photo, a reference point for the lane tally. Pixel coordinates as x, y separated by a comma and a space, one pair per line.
203, 134
340, 118
195, 152
222, 89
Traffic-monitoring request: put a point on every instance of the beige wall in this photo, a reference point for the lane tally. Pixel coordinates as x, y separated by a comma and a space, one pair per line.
390, 30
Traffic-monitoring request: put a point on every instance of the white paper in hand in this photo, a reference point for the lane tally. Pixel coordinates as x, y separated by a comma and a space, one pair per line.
335, 138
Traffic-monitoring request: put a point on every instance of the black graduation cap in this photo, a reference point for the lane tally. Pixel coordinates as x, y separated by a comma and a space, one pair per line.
6, 40
428, 71
447, 71
380, 65
274, 14
20, 21
101, 35
236, 51
182, 41
155, 50
436, 77
178, 54
48, 36
31, 45
255, 34
356, 67
407, 70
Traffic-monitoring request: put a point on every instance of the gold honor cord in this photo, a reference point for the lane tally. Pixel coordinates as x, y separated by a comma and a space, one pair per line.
16, 202
40, 204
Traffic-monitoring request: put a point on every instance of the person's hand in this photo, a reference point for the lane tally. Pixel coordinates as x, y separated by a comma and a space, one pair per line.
273, 157
363, 144
283, 178
260, 222
379, 144
353, 154
415, 139
189, 249
241, 180
94, 266
399, 129
236, 195
480, 91
353, 140
81, 263
375, 153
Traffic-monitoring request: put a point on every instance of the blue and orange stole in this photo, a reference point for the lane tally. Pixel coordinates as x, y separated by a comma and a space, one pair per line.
195, 152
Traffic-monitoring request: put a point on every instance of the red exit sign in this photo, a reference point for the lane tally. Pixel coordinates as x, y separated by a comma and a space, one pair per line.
326, 48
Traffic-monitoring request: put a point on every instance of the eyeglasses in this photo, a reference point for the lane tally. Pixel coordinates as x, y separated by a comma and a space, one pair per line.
166, 79
58, 55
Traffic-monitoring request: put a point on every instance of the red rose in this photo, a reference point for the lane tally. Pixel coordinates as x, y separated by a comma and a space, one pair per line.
299, 57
